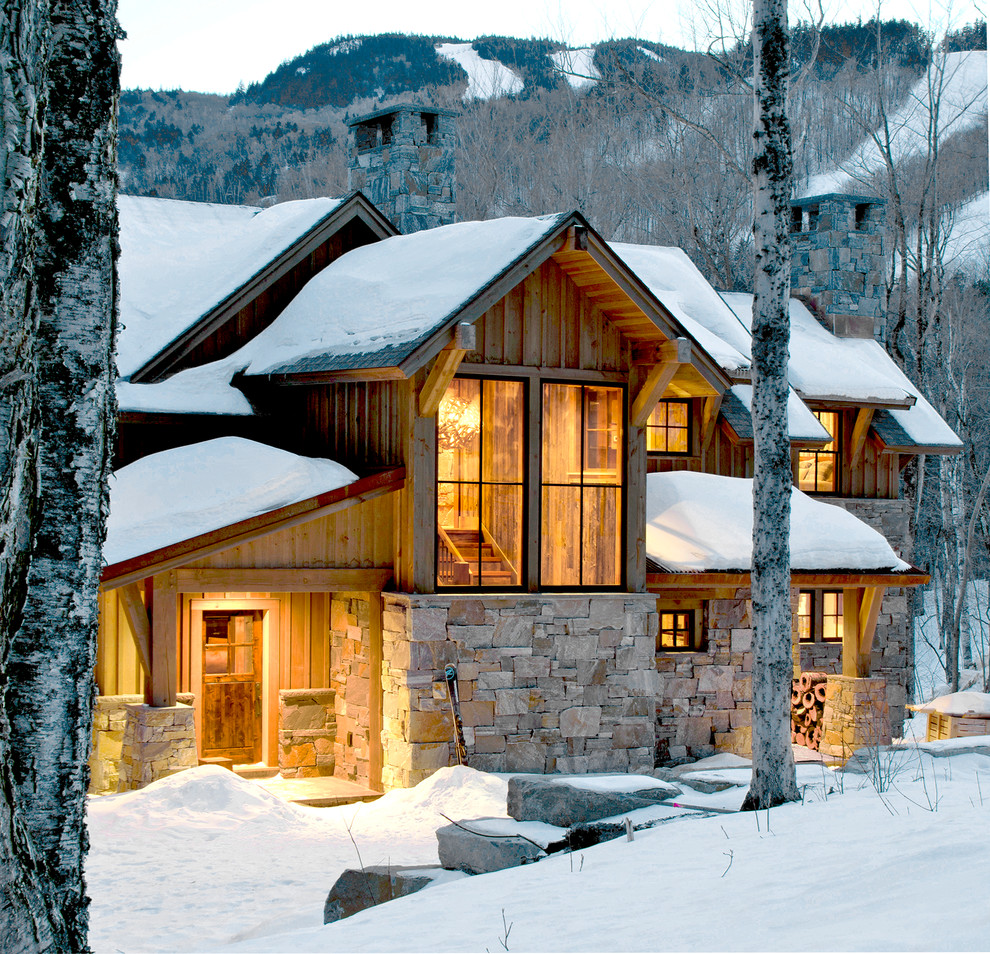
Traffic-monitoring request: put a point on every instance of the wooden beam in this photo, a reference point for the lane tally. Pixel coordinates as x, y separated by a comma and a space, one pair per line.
283, 580
440, 376
717, 578
164, 639
137, 618
860, 429
855, 663
709, 418
671, 355
869, 612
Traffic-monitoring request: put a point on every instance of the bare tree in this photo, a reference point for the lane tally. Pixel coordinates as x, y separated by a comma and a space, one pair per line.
773, 781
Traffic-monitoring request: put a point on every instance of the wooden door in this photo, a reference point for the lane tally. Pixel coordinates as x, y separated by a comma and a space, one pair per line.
232, 683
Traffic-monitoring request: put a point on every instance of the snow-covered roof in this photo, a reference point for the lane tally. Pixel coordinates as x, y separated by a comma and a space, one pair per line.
959, 704
204, 389
802, 425
178, 494
675, 280
374, 305
702, 522
179, 260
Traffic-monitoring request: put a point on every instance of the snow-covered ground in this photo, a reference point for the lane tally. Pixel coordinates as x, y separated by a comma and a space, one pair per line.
205, 861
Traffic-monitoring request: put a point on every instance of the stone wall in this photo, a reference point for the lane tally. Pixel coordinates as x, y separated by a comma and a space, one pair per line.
856, 715
893, 650
109, 722
158, 741
705, 699
350, 677
307, 729
547, 683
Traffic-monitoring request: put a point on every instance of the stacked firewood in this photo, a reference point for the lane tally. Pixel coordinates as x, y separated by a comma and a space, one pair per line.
807, 707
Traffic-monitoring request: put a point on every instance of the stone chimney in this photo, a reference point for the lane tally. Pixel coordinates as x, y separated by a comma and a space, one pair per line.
402, 158
837, 261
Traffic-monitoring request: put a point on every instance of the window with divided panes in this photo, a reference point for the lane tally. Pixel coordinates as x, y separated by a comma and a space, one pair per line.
818, 471
819, 616
668, 429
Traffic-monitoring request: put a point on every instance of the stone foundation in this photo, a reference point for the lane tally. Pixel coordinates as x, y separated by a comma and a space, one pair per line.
157, 742
892, 655
548, 683
705, 701
307, 729
350, 676
856, 715
109, 722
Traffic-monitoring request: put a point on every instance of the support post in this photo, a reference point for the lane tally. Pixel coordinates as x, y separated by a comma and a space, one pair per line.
164, 631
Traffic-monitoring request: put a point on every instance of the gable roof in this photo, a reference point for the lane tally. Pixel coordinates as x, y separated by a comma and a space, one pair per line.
177, 505
389, 307
186, 267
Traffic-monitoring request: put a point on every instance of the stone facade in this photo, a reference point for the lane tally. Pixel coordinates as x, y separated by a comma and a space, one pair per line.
893, 650
307, 729
705, 699
548, 683
402, 158
109, 723
837, 261
350, 677
157, 742
856, 715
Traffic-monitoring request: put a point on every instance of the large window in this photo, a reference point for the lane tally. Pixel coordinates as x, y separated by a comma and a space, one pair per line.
581, 486
480, 428
668, 430
818, 471
819, 616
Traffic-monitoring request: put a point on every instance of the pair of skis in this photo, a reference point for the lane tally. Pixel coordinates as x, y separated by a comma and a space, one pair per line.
450, 675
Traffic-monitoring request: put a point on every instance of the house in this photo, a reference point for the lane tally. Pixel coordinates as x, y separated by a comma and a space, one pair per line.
508, 446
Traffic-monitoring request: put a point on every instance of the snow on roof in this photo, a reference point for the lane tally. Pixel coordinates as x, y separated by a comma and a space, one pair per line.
371, 307
802, 425
205, 389
823, 366
177, 494
179, 260
676, 282
701, 522
959, 704
960, 84
486, 78
577, 66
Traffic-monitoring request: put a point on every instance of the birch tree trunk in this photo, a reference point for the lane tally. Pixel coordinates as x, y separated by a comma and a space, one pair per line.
773, 780
50, 690
25, 921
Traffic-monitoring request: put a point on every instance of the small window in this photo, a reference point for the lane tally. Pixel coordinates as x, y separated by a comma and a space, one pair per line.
812, 218
430, 127
796, 216
819, 616
818, 471
668, 430
681, 627
862, 213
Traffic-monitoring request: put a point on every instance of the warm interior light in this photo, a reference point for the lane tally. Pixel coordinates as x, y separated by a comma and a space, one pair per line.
458, 422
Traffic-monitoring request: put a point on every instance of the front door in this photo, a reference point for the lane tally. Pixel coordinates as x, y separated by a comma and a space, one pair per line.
231, 687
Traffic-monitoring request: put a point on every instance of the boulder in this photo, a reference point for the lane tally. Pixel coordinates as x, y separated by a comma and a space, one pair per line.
360, 888
478, 852
582, 799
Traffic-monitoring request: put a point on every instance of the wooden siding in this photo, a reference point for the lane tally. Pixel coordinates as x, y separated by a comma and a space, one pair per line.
360, 536
546, 322
118, 665
873, 475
